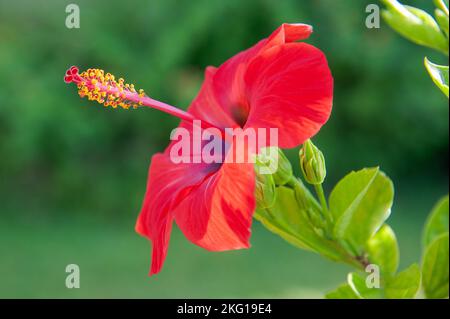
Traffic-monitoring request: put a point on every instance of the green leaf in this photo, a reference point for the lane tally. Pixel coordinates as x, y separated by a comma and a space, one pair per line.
415, 25
437, 222
344, 291
360, 203
359, 286
404, 285
383, 250
439, 75
435, 268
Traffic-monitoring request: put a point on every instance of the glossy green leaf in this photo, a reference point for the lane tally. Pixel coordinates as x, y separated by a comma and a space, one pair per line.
359, 285
415, 25
439, 75
344, 291
383, 250
404, 285
435, 268
437, 222
360, 203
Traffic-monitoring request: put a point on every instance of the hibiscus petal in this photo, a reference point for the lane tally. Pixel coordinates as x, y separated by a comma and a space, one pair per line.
228, 82
288, 32
205, 105
217, 214
167, 182
290, 87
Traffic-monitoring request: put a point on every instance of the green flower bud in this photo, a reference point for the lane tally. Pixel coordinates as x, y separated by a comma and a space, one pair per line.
306, 203
312, 163
271, 160
265, 192
301, 196
284, 170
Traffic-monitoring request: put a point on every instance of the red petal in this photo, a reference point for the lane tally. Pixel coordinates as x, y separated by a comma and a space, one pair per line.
68, 79
217, 214
205, 105
166, 183
228, 82
289, 32
290, 87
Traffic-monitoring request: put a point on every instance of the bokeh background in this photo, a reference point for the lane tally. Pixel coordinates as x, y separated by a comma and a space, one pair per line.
73, 174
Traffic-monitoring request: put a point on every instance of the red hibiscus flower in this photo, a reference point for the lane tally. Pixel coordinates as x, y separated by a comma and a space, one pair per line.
277, 83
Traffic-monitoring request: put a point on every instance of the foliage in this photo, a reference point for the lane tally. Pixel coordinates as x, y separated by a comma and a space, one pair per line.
421, 28
350, 227
435, 260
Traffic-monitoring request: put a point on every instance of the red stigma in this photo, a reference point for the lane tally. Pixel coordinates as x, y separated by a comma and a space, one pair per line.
72, 75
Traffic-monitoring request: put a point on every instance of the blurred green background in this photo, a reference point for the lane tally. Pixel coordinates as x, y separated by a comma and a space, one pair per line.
73, 174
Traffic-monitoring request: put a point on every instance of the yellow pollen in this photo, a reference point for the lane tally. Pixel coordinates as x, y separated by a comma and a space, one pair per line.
103, 88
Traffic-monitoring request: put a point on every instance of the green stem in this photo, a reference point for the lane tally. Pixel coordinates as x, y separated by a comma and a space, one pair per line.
323, 202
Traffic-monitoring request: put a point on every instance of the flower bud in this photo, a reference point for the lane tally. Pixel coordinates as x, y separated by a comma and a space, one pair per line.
265, 192
284, 170
306, 203
312, 163
271, 160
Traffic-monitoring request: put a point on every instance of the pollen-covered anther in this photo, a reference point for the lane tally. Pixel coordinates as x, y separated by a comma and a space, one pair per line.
102, 87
